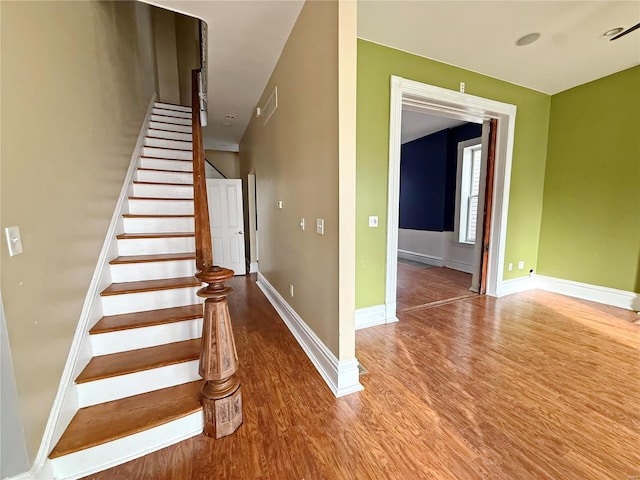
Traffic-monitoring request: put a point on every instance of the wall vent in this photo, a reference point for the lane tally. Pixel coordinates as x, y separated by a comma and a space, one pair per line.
271, 105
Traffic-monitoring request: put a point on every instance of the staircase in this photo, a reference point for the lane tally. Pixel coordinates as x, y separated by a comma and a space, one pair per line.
141, 390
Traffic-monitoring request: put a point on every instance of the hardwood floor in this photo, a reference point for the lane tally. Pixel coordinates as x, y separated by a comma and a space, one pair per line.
530, 386
420, 285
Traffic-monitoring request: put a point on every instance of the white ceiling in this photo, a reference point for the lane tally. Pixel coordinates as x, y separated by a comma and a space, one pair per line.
247, 37
416, 125
480, 36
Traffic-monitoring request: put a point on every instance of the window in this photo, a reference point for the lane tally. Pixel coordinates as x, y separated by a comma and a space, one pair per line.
469, 189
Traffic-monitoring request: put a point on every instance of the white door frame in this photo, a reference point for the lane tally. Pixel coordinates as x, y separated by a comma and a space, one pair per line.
449, 103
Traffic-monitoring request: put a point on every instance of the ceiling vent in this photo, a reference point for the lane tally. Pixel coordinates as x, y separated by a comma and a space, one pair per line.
271, 105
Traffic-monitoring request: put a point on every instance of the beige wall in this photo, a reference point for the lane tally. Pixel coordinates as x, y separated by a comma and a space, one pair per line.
227, 163
188, 49
164, 28
295, 157
77, 78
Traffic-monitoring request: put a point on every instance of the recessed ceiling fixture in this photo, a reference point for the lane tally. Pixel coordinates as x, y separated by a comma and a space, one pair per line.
230, 117
527, 39
612, 32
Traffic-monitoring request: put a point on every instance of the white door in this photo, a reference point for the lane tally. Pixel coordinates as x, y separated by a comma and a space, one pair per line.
227, 223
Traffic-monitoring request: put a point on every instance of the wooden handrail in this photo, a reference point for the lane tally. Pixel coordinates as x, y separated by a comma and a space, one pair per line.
221, 393
204, 251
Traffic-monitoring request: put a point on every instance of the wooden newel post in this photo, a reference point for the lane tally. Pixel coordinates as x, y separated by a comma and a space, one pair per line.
221, 394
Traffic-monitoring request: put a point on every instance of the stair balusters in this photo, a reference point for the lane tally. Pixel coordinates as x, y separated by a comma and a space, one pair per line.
221, 393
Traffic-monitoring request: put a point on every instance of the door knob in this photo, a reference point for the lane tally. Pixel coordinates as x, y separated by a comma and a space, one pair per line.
240, 233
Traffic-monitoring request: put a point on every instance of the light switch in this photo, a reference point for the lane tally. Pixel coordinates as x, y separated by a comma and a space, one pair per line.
279, 204
320, 226
302, 224
14, 242
373, 221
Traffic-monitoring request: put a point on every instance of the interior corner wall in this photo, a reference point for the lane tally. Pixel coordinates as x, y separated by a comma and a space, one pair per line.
295, 158
166, 51
188, 53
591, 213
77, 78
227, 163
376, 64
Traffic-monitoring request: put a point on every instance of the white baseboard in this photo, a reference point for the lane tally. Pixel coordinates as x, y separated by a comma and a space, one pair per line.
460, 266
435, 261
253, 266
22, 476
370, 316
595, 293
421, 258
515, 285
341, 376
66, 402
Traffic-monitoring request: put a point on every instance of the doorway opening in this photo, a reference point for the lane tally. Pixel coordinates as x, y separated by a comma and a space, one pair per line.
440, 208
486, 233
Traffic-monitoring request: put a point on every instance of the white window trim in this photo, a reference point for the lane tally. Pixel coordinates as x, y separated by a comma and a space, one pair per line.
458, 214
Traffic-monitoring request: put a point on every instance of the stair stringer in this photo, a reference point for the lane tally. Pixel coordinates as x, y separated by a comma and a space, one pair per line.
65, 404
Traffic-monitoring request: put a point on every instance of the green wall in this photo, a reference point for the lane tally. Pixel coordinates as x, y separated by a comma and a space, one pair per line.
591, 213
376, 64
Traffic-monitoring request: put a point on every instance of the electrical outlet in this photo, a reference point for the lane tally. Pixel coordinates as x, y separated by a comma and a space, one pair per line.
14, 242
302, 224
520, 264
290, 290
373, 221
462, 87
510, 266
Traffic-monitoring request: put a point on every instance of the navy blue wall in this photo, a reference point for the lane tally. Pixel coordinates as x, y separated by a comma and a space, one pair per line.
428, 178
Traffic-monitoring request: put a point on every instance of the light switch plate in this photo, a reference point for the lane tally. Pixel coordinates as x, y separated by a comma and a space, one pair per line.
279, 204
14, 242
302, 224
320, 226
373, 221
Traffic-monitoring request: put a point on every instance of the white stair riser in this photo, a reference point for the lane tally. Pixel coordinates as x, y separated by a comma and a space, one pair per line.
143, 301
169, 154
172, 120
160, 125
159, 225
121, 386
155, 246
161, 191
166, 164
122, 450
124, 340
164, 177
185, 137
168, 207
134, 272
171, 113
167, 143
169, 106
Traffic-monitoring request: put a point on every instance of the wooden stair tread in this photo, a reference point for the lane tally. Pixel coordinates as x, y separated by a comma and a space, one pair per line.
109, 421
170, 159
150, 285
159, 215
135, 182
126, 321
131, 236
166, 171
122, 363
161, 257
167, 130
169, 148
163, 198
